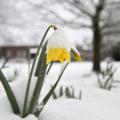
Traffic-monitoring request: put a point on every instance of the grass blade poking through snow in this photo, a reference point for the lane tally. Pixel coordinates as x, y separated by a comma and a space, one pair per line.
9, 93
46, 98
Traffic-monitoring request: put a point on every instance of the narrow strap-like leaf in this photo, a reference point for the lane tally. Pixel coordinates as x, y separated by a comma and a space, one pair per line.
49, 67
9, 94
39, 63
46, 98
25, 107
41, 75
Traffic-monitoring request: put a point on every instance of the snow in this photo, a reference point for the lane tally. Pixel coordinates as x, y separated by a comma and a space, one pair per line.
71, 109
95, 104
11, 116
58, 40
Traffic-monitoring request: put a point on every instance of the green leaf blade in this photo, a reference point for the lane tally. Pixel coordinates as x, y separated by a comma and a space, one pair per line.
41, 70
9, 94
46, 98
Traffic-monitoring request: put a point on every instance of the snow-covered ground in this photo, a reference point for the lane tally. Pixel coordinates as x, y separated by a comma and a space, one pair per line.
95, 103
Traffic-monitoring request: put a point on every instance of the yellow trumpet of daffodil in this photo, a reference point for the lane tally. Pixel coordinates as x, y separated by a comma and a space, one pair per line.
58, 48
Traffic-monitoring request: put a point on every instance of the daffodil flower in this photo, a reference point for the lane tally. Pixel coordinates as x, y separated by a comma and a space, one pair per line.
76, 54
58, 48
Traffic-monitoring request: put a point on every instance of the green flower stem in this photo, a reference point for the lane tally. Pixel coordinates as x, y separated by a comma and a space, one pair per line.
24, 113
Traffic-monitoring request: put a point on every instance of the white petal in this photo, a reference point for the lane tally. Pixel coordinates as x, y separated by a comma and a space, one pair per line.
58, 40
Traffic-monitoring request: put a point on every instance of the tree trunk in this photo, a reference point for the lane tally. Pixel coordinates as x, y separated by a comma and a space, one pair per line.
97, 37
96, 42
96, 45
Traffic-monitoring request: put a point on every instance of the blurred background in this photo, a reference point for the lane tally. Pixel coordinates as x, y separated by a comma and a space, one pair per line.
93, 26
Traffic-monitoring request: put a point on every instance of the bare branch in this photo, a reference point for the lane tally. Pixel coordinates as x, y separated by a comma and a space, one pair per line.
112, 3
70, 9
78, 4
93, 3
62, 21
110, 25
112, 32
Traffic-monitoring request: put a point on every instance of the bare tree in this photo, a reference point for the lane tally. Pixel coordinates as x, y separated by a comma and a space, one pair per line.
99, 16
